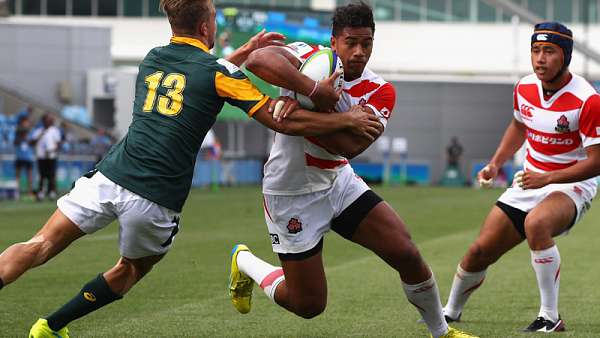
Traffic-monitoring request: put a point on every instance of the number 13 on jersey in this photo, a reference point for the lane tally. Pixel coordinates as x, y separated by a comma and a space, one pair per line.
171, 103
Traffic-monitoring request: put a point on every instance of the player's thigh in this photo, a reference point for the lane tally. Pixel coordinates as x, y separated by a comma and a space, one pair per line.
305, 280
497, 236
383, 232
145, 228
555, 214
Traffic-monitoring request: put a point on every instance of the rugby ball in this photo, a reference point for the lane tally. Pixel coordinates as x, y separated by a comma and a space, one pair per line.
319, 66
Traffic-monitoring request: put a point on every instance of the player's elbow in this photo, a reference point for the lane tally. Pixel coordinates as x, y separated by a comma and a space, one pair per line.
256, 61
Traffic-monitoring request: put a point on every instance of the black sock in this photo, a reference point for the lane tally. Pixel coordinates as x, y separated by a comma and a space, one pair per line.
1, 284
94, 295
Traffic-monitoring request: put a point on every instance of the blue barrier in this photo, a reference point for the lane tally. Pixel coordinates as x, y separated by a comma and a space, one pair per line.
416, 173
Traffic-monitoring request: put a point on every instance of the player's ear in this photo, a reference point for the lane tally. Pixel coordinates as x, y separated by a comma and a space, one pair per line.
332, 42
203, 28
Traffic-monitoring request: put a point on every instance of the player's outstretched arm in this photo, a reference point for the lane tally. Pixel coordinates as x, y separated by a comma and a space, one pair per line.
260, 40
346, 143
582, 170
308, 123
279, 67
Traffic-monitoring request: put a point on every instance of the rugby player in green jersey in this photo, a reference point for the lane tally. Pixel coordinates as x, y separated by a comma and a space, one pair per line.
144, 180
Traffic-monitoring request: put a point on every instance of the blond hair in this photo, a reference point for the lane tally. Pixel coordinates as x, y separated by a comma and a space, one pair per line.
185, 15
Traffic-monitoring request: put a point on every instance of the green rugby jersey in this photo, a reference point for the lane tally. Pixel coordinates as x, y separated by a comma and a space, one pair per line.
180, 89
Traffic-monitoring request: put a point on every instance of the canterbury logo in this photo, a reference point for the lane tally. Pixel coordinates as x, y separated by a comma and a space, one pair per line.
542, 37
423, 289
545, 260
526, 110
89, 296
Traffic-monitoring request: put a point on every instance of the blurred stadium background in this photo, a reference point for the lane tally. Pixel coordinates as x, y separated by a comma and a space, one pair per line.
453, 63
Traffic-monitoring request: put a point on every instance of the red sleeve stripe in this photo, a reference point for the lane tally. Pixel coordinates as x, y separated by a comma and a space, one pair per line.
322, 163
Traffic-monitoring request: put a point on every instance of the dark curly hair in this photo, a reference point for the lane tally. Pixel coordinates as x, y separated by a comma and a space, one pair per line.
356, 14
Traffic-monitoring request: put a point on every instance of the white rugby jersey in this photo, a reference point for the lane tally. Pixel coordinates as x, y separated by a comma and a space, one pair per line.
299, 165
558, 129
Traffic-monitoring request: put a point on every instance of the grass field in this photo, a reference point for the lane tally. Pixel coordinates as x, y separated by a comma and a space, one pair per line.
185, 295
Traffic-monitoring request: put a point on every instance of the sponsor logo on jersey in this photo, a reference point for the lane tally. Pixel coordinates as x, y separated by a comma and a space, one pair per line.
562, 125
231, 68
274, 238
385, 112
89, 297
294, 226
549, 140
526, 111
544, 260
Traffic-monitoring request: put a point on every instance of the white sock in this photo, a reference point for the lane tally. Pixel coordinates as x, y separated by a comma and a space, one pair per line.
462, 287
546, 264
263, 273
425, 297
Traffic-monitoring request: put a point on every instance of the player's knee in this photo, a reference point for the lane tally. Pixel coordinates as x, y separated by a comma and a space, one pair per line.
479, 257
38, 247
537, 230
310, 308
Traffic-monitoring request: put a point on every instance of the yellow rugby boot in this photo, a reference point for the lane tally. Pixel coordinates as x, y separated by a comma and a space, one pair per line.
240, 284
41, 330
454, 333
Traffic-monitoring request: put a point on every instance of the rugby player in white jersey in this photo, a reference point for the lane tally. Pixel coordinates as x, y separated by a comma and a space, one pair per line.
309, 188
557, 115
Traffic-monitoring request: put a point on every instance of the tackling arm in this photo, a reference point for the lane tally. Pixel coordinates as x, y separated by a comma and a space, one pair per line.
308, 123
280, 68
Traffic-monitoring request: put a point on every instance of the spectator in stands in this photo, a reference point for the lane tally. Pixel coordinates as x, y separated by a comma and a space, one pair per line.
24, 152
454, 151
47, 140
27, 112
100, 143
68, 139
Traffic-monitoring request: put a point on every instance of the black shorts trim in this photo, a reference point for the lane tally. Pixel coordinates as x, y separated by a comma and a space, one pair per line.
347, 222
517, 217
302, 255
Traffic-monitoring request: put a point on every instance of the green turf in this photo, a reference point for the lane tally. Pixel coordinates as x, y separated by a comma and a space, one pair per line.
186, 295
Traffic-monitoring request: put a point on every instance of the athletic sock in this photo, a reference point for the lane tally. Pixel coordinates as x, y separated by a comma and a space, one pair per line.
94, 295
263, 273
462, 287
1, 284
546, 264
425, 297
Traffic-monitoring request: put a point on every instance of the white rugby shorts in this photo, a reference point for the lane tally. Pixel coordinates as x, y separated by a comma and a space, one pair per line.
145, 228
581, 193
297, 223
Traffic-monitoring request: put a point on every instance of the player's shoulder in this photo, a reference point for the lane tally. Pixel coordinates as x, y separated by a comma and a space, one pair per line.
581, 88
530, 79
371, 82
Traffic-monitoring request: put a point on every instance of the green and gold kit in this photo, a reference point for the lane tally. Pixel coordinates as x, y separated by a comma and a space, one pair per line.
180, 89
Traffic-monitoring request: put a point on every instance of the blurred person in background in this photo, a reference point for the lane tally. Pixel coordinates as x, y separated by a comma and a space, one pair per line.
24, 153
47, 140
68, 138
225, 44
558, 114
100, 143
